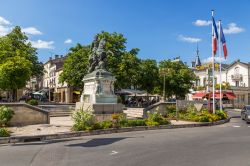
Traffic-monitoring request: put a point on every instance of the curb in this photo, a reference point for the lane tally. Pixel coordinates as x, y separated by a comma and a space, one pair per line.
17, 139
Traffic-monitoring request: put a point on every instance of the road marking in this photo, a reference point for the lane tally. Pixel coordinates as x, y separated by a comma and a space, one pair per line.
236, 126
113, 152
248, 126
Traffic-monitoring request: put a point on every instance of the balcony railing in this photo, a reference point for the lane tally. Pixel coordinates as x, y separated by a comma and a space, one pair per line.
237, 77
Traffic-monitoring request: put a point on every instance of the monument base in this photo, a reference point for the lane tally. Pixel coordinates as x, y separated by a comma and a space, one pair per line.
101, 108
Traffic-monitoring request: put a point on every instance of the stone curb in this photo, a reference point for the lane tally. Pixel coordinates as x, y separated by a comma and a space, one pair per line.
16, 139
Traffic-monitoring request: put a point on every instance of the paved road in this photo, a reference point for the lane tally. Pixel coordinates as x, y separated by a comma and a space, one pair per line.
227, 144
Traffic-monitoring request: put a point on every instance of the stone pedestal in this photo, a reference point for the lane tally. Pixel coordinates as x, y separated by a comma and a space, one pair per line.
98, 93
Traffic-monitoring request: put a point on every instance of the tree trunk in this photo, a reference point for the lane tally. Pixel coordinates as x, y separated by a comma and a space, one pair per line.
14, 95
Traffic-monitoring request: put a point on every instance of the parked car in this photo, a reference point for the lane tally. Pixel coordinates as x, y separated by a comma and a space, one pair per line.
25, 98
245, 113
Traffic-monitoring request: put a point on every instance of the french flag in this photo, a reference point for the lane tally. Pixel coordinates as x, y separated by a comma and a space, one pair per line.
223, 41
214, 36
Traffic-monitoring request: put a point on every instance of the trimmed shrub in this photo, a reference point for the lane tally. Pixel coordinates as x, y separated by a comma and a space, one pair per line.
101, 125
83, 119
32, 102
155, 119
4, 132
118, 118
6, 114
203, 116
221, 114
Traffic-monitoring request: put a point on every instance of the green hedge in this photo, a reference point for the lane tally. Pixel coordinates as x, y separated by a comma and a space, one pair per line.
32, 102
4, 132
6, 114
83, 120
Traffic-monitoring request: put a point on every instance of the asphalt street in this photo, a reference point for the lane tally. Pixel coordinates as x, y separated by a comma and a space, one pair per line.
227, 144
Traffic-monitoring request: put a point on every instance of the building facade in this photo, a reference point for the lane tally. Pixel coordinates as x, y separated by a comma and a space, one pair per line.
236, 75
57, 92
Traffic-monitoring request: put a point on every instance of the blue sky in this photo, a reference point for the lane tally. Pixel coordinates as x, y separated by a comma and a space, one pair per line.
161, 29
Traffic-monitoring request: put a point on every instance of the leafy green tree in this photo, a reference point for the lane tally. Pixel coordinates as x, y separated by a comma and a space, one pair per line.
75, 66
128, 68
18, 61
148, 75
16, 44
14, 73
178, 78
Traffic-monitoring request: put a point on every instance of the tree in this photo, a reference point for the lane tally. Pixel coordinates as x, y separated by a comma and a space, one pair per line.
178, 78
16, 44
75, 66
127, 71
18, 61
14, 73
148, 75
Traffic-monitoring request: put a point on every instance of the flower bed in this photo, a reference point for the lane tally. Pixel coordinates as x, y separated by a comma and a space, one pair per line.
84, 121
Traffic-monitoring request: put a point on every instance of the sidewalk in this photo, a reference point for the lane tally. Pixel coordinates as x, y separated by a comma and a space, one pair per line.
60, 125
57, 125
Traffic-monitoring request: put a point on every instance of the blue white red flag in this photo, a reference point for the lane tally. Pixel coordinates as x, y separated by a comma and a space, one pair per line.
223, 41
214, 36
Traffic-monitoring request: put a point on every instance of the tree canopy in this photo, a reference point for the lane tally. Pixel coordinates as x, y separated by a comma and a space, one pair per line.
129, 70
18, 60
75, 66
178, 78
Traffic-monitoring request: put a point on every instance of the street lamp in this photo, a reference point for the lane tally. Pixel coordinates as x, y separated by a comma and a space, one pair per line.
163, 72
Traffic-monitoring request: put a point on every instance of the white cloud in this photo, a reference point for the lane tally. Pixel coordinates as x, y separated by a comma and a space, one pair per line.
3, 21
202, 23
4, 30
43, 44
189, 39
216, 59
31, 31
233, 29
68, 41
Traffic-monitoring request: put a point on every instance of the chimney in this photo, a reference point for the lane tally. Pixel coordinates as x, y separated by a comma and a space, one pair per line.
50, 58
56, 56
61, 56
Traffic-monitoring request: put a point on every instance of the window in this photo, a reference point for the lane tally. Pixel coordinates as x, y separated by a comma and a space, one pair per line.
236, 71
204, 81
237, 83
198, 82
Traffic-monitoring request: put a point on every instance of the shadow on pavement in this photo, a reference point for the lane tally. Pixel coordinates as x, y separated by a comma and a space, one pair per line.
44, 142
98, 142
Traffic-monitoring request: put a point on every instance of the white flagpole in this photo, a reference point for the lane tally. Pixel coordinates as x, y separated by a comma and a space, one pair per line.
213, 64
220, 64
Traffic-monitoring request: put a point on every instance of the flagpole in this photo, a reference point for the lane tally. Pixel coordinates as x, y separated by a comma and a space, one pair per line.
213, 64
220, 63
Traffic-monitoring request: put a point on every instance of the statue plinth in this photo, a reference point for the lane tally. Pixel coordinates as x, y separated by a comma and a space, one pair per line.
98, 93
99, 87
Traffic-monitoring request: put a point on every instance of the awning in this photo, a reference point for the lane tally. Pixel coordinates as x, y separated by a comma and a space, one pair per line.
199, 95
230, 96
77, 92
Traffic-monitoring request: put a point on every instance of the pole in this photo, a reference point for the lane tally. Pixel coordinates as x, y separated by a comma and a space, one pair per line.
164, 80
220, 64
213, 65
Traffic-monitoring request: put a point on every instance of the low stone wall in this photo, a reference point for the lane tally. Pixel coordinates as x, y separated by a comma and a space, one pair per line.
160, 107
27, 115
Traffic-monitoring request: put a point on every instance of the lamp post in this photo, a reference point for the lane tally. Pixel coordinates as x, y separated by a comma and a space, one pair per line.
163, 72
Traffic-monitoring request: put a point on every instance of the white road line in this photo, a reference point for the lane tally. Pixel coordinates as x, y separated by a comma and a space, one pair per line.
236, 126
113, 152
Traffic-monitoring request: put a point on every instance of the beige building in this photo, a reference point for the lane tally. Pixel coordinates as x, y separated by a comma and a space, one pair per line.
237, 74
58, 92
